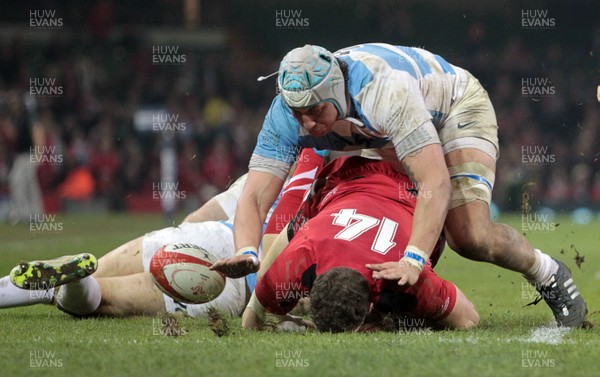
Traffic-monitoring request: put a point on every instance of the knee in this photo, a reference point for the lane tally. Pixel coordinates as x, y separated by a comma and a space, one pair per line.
473, 244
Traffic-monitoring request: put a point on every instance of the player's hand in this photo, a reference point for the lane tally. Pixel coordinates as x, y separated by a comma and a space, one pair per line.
404, 272
236, 267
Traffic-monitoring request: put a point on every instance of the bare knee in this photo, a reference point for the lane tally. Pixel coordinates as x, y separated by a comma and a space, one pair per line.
473, 243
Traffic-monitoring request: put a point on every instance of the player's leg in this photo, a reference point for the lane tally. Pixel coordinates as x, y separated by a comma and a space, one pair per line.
469, 139
137, 294
42, 280
12, 296
124, 260
468, 228
210, 211
130, 295
220, 207
127, 258
470, 232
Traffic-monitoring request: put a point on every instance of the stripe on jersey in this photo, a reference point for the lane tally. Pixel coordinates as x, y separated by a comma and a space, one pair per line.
361, 76
417, 58
445, 65
391, 58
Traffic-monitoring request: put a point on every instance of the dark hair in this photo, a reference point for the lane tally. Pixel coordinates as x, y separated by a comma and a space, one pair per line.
344, 69
339, 300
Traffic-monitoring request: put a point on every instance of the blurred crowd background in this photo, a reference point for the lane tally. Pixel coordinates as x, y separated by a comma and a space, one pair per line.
101, 57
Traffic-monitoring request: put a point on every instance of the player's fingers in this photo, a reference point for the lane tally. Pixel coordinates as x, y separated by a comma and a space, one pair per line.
379, 271
374, 267
403, 280
217, 264
389, 274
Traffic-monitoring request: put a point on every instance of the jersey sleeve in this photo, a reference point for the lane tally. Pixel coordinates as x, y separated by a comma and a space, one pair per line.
307, 167
277, 145
394, 106
436, 297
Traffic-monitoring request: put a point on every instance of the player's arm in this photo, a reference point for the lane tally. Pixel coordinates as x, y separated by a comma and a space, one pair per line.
418, 147
259, 194
254, 314
427, 169
464, 315
269, 166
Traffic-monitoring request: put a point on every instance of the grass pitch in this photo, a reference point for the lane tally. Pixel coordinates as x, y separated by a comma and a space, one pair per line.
510, 341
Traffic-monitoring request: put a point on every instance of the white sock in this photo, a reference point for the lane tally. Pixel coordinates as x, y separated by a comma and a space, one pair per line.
81, 297
543, 268
12, 296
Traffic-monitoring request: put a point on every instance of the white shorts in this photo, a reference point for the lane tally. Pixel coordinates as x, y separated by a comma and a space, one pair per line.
217, 238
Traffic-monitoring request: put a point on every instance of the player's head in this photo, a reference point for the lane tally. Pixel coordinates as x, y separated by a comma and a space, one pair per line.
311, 75
339, 300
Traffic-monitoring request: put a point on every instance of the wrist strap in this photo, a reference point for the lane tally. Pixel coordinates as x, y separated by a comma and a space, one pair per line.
249, 250
415, 256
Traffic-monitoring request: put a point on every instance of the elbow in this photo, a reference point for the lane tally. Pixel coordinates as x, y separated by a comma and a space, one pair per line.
446, 188
471, 321
442, 186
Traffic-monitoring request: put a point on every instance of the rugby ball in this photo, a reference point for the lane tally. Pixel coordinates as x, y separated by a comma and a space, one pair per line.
181, 271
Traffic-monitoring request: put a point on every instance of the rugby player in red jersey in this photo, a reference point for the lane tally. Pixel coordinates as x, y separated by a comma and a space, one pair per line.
358, 215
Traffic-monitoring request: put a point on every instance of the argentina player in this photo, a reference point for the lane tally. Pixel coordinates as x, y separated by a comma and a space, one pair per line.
435, 121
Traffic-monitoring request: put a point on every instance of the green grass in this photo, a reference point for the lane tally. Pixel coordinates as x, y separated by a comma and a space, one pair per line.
503, 345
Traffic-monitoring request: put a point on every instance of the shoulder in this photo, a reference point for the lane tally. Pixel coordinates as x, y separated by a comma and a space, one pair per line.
279, 112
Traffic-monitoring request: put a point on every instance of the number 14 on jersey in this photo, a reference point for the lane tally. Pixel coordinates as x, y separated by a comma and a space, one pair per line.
356, 224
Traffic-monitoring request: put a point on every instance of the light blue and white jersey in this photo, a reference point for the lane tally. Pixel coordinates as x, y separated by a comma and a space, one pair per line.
398, 95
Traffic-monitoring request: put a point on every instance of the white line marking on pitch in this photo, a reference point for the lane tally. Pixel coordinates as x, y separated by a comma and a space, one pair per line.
548, 335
